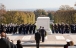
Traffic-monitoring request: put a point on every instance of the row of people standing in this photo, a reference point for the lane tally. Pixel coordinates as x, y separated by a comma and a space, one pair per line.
63, 28
23, 28
27, 29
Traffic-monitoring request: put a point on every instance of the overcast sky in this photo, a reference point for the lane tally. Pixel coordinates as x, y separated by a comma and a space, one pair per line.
36, 4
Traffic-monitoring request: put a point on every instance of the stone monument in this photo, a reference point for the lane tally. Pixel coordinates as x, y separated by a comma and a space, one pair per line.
45, 22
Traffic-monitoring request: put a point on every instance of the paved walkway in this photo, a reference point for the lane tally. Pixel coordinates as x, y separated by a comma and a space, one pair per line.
50, 39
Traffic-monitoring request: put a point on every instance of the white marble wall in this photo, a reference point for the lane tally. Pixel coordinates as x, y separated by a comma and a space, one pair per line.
45, 22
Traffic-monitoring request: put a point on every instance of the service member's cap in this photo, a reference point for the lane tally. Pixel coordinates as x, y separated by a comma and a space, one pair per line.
67, 40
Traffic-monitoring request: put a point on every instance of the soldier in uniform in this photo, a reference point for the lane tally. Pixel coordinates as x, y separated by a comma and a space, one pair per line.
34, 28
66, 28
59, 28
28, 25
62, 28
10, 29
6, 28
2, 27
52, 27
72, 28
30, 28
23, 27
20, 29
26, 28
15, 29
56, 28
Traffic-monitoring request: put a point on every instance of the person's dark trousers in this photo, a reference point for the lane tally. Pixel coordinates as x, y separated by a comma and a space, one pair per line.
27, 31
19, 31
72, 30
34, 31
24, 31
56, 31
43, 38
59, 30
14, 32
62, 31
37, 44
30, 31
66, 30
52, 31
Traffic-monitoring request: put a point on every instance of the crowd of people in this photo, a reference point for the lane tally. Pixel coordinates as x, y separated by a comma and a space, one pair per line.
5, 42
63, 28
30, 28
40, 34
21, 29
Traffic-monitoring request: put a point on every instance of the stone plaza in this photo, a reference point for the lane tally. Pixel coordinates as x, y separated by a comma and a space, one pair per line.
51, 39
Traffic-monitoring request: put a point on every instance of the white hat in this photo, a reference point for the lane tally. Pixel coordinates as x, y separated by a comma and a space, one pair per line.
67, 40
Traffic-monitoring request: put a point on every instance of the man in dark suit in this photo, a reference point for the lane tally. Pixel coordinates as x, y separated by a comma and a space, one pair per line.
37, 38
4, 43
43, 34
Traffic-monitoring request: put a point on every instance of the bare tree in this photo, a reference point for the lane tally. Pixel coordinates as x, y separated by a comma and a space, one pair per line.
65, 7
2, 9
2, 12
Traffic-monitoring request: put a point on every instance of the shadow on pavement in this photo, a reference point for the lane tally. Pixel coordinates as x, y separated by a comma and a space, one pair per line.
28, 42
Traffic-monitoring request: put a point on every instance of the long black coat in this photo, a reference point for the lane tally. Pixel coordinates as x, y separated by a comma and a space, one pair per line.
37, 37
42, 32
19, 46
4, 43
